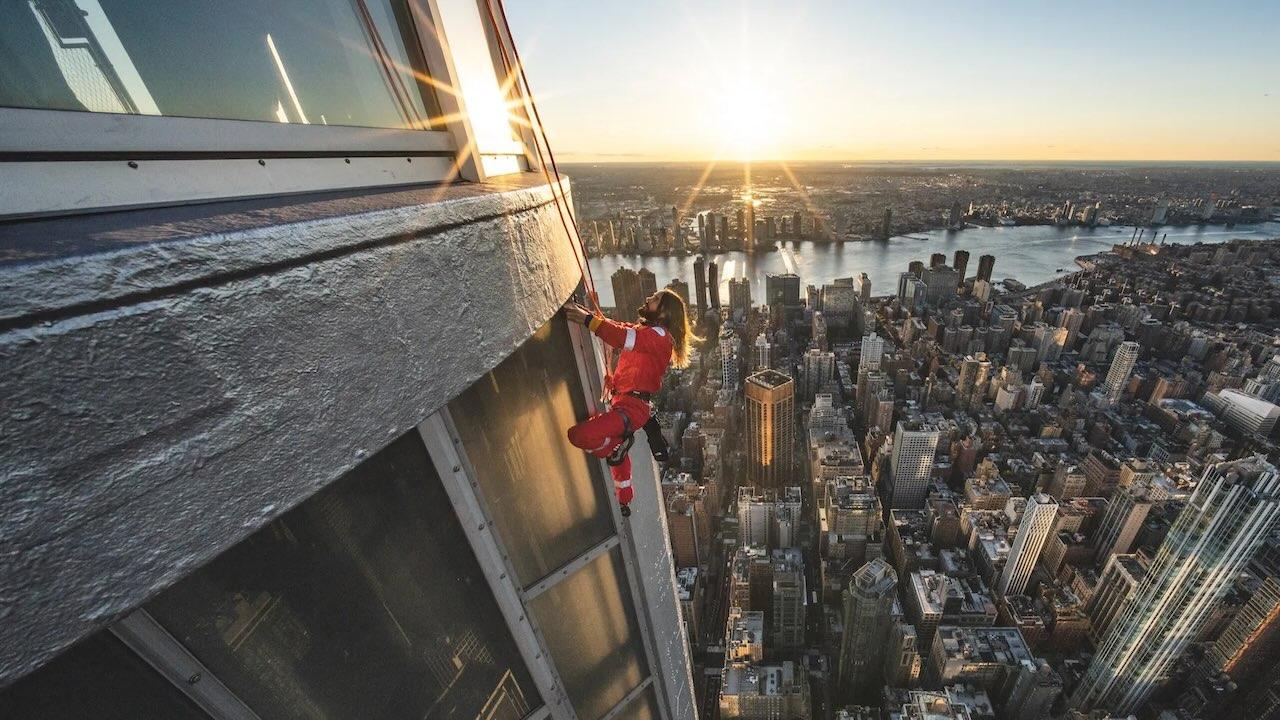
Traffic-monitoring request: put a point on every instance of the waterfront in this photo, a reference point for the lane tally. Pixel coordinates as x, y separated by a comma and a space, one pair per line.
1030, 254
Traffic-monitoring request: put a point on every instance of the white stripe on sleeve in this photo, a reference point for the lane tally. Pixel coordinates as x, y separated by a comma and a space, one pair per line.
631, 339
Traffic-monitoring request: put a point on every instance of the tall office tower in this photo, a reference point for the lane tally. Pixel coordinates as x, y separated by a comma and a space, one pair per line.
817, 372
786, 627
960, 261
739, 295
862, 286
868, 619
713, 284
728, 359
915, 267
722, 235
1119, 577
914, 445
756, 509
782, 289
937, 260
1071, 319
680, 288
886, 225
763, 359
1232, 511
770, 428
1121, 366
872, 353
1126, 512
648, 284
953, 217
796, 227
840, 305
940, 282
700, 282
902, 663
986, 264
904, 280
1037, 523
627, 295
1243, 647
1034, 691
749, 227
347, 540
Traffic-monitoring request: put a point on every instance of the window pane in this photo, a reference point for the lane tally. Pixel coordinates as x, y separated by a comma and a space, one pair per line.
364, 602
98, 679
298, 61
644, 707
548, 502
590, 627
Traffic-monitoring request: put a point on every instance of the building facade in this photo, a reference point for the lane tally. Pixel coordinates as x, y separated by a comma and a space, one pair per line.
1233, 510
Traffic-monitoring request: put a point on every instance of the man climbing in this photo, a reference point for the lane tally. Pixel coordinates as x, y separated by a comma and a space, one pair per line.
659, 340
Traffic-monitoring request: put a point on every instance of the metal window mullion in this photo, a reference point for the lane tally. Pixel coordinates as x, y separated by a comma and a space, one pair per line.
627, 699
457, 476
554, 577
590, 365
140, 632
453, 108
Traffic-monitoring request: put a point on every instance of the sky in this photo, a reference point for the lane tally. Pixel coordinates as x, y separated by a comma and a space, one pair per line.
823, 80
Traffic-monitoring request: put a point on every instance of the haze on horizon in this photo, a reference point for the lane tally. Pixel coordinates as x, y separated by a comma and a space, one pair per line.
822, 80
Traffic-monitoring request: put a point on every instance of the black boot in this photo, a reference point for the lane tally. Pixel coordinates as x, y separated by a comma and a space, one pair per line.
657, 443
620, 452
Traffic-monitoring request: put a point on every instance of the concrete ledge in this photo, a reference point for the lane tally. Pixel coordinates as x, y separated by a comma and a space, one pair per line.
166, 398
645, 536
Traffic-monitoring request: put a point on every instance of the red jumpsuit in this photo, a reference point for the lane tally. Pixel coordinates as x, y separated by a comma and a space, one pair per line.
646, 353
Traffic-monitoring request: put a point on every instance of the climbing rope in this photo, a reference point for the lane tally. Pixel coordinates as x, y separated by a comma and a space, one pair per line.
563, 208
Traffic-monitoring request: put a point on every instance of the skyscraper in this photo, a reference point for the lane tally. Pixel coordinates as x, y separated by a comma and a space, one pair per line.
868, 618
713, 284
700, 281
986, 263
648, 285
763, 361
1121, 366
1126, 511
1037, 522
739, 295
770, 428
914, 445
728, 359
818, 370
960, 261
872, 353
627, 295
1233, 510
782, 289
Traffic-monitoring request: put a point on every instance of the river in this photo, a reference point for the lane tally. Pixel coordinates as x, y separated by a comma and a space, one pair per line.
1029, 254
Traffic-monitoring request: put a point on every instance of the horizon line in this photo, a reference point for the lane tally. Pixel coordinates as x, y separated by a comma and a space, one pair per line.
934, 161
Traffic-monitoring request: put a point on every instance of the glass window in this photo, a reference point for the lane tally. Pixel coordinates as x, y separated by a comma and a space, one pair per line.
644, 707
545, 495
590, 627
98, 679
366, 601
467, 29
322, 62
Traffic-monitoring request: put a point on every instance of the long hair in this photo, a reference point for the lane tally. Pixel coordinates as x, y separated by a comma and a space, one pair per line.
674, 316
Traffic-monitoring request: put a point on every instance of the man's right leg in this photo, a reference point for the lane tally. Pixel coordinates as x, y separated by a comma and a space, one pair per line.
598, 434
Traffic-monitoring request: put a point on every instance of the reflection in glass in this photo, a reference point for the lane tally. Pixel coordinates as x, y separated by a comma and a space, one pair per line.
98, 679
644, 707
545, 496
590, 626
335, 62
363, 602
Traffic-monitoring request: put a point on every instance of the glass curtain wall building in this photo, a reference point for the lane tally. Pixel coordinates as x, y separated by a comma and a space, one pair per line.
287, 386
1234, 509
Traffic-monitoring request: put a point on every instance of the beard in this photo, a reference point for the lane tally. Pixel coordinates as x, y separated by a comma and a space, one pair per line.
647, 315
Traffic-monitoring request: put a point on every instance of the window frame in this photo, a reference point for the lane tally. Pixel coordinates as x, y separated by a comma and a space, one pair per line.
121, 161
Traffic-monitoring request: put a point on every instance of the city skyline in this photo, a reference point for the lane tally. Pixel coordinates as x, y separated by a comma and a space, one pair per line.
853, 82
